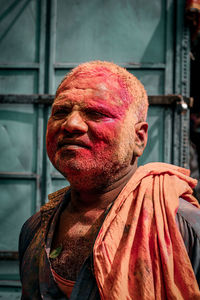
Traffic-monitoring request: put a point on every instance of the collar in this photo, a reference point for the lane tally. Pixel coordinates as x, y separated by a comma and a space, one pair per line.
47, 210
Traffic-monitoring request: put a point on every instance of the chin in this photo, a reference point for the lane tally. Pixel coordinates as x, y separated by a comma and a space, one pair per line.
89, 178
91, 172
81, 174
82, 179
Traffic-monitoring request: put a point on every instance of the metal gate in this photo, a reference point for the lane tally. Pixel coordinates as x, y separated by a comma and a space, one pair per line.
42, 40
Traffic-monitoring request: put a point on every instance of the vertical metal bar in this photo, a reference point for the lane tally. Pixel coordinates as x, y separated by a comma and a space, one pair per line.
52, 53
176, 138
51, 81
168, 135
177, 84
182, 79
43, 8
185, 143
185, 120
40, 108
39, 166
48, 168
169, 56
169, 60
178, 46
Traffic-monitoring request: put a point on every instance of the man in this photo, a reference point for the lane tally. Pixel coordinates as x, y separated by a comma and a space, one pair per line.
115, 233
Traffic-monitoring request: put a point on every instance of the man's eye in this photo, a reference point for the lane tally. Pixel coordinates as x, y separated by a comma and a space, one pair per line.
96, 114
60, 114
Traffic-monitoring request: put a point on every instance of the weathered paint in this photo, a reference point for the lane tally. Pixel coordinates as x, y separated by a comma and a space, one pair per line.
134, 35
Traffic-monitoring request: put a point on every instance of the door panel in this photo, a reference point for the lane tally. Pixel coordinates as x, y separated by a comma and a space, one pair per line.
40, 42
18, 138
17, 204
153, 80
18, 81
19, 35
121, 31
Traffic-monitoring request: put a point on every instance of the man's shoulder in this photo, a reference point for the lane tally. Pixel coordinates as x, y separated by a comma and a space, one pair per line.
37, 221
27, 233
55, 198
190, 214
188, 221
31, 225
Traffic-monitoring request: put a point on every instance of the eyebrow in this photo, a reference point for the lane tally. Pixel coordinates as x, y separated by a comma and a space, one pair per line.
99, 108
62, 106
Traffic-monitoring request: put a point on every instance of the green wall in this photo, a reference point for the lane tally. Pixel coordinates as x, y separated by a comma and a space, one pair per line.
40, 41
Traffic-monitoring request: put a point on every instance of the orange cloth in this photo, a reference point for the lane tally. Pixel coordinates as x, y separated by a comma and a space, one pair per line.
193, 4
139, 252
64, 285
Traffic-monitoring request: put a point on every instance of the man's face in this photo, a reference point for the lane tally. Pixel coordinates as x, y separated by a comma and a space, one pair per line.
90, 133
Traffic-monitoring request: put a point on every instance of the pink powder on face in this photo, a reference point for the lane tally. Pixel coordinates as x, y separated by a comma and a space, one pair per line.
131, 88
101, 135
110, 139
106, 152
99, 77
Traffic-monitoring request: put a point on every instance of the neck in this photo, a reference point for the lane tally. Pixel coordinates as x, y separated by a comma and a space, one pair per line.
100, 199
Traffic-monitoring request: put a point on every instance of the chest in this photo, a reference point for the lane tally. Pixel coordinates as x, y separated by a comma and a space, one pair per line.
74, 237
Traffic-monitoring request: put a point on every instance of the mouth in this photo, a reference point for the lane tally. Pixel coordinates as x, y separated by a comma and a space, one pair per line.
72, 144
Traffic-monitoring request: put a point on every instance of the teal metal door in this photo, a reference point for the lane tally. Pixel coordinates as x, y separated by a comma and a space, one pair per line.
40, 41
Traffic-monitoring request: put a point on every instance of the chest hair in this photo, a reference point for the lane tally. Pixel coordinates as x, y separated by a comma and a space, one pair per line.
76, 234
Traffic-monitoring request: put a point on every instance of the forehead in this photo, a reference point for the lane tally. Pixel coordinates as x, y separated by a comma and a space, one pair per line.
104, 86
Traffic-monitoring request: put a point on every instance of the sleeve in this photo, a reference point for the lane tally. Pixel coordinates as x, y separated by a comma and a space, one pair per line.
188, 221
27, 233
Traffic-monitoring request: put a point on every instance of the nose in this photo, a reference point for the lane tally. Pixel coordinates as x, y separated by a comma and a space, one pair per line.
74, 123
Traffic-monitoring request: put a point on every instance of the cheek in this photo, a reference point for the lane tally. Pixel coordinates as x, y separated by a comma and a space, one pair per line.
105, 132
52, 130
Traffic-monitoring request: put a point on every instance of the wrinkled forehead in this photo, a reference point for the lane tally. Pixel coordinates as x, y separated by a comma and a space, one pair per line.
102, 81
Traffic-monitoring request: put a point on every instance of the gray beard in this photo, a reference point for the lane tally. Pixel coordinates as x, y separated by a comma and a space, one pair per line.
95, 177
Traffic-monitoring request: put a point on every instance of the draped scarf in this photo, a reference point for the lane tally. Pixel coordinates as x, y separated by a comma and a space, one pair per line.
139, 252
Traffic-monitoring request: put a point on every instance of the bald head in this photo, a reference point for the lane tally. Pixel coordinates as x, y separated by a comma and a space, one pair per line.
97, 127
130, 89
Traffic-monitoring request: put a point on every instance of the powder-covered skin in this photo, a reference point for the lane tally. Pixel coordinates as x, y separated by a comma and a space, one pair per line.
95, 133
77, 231
92, 114
131, 88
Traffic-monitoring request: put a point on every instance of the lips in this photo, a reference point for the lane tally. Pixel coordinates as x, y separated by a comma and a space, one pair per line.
70, 144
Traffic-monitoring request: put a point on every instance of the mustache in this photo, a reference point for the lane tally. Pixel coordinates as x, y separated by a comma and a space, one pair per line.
71, 141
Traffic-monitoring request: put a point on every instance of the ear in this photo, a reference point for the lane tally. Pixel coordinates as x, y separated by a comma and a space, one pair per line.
141, 136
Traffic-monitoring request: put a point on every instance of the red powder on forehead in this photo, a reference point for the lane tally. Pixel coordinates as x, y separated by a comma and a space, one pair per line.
85, 79
128, 87
99, 78
123, 92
